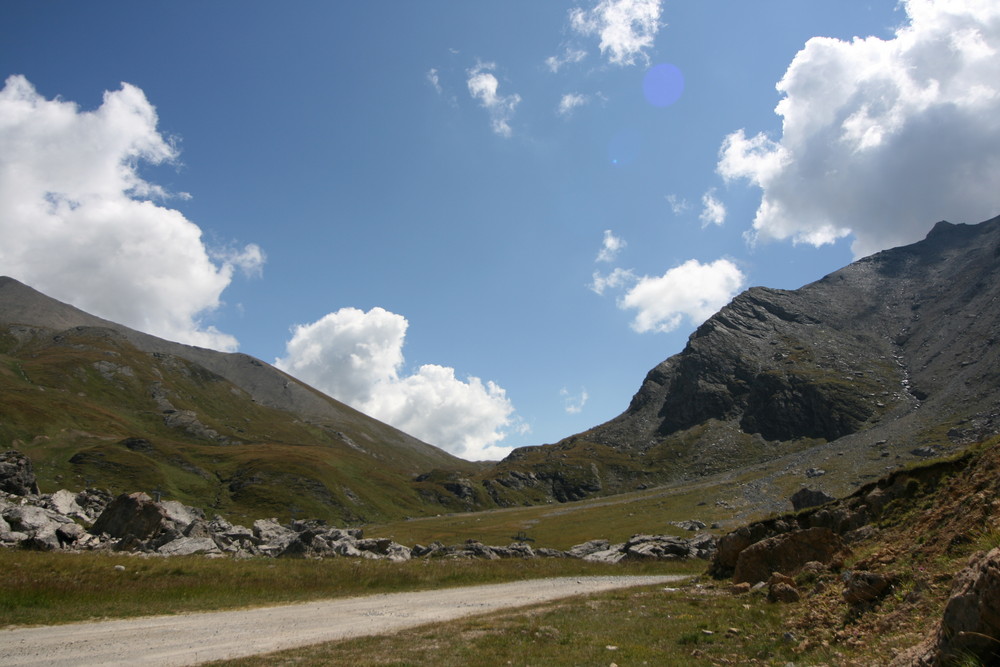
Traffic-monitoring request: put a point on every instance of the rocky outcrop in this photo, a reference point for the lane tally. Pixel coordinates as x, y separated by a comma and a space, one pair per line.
969, 630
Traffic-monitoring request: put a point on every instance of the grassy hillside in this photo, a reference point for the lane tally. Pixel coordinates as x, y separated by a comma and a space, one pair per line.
92, 410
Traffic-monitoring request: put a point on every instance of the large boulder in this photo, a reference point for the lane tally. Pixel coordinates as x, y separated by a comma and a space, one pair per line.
786, 554
16, 474
969, 631
133, 515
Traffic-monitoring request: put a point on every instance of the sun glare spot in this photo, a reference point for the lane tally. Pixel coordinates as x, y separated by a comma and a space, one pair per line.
663, 85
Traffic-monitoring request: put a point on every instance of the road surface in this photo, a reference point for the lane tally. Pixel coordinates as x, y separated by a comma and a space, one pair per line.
188, 639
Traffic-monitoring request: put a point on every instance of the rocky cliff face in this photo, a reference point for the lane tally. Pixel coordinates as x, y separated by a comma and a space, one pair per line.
892, 346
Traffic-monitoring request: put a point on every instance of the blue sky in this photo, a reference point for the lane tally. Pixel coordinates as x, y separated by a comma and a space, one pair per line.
481, 222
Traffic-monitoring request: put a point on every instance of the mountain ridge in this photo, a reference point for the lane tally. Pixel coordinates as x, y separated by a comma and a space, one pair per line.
893, 347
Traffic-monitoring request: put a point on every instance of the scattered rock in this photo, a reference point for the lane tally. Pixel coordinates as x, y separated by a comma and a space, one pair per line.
815, 472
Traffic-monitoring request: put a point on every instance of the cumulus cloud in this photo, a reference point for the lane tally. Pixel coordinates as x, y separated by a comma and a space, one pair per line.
357, 357
79, 223
713, 211
571, 101
692, 290
483, 86
882, 138
610, 248
574, 404
626, 28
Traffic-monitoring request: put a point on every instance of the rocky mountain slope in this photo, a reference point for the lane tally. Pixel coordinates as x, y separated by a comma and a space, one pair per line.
94, 403
892, 354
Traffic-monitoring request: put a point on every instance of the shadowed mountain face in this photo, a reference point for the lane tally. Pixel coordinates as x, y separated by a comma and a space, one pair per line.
897, 349
96, 403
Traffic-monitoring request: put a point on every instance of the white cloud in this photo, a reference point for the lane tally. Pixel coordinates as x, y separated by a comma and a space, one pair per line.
692, 290
571, 101
483, 86
610, 248
713, 211
434, 80
78, 221
627, 28
357, 357
617, 278
882, 138
569, 57
678, 205
574, 404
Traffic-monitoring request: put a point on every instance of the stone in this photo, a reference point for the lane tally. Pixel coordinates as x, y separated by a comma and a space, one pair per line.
786, 553
782, 592
180, 514
805, 497
131, 514
16, 474
861, 586
188, 546
587, 548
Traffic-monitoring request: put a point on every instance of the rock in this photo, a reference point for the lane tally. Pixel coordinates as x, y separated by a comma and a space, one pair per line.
16, 474
969, 630
786, 553
64, 502
610, 555
861, 586
740, 589
804, 498
689, 524
587, 548
181, 515
782, 592
131, 514
187, 546
815, 472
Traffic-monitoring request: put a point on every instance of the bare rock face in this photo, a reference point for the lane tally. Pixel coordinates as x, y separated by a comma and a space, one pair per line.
969, 631
16, 475
786, 553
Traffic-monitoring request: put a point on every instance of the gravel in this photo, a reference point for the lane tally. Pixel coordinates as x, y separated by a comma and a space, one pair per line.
188, 639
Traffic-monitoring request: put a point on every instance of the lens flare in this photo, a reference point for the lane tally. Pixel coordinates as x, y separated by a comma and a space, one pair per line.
663, 85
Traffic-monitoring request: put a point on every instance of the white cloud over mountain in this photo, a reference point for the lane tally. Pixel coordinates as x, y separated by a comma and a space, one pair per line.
882, 138
79, 223
357, 357
692, 290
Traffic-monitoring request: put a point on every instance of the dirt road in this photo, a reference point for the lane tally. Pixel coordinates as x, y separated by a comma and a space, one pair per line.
188, 639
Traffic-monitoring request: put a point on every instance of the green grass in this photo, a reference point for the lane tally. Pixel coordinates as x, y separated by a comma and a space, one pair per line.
46, 588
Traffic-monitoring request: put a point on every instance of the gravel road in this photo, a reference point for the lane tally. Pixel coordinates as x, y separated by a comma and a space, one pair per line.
189, 639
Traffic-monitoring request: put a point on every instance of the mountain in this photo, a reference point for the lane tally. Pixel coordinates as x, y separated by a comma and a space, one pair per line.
891, 357
94, 403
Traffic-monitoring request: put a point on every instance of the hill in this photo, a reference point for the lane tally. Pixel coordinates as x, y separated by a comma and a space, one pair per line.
94, 403
891, 357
